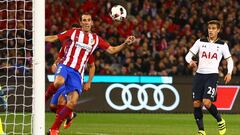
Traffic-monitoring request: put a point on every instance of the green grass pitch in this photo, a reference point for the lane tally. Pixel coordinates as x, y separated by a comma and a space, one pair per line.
143, 124
127, 124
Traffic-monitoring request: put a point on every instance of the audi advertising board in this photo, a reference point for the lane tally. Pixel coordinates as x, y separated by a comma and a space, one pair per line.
149, 94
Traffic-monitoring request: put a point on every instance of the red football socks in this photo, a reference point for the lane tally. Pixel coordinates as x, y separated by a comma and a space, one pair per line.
61, 116
59, 108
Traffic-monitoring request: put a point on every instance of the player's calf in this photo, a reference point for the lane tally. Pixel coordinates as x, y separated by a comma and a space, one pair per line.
212, 109
198, 115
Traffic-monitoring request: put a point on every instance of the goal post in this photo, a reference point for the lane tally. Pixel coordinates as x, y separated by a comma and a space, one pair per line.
38, 67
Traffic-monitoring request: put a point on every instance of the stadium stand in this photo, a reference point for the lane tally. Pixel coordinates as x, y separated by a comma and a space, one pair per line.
165, 29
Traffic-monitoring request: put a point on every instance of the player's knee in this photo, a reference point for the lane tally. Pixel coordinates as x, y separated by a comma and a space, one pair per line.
207, 103
197, 103
53, 107
59, 81
57, 84
73, 96
72, 103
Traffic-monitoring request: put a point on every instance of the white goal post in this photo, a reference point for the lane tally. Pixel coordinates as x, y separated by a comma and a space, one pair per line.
38, 67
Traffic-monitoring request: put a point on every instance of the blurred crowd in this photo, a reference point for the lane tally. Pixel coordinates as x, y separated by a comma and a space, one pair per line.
16, 37
165, 30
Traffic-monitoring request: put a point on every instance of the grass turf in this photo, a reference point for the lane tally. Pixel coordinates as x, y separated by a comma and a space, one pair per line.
126, 124
143, 124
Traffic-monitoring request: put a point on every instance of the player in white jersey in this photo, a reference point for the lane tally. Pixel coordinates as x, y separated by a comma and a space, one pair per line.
210, 51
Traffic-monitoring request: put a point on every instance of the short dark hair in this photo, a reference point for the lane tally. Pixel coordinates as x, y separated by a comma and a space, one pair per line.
75, 25
85, 14
218, 23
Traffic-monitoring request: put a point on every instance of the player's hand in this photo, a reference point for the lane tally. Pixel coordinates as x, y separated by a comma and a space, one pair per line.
54, 68
227, 78
193, 64
130, 40
86, 86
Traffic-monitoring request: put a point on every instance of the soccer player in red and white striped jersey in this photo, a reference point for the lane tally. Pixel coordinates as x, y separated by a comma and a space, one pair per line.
54, 105
69, 73
51, 89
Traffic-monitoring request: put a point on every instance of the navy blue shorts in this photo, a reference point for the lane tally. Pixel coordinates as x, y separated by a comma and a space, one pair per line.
205, 86
73, 79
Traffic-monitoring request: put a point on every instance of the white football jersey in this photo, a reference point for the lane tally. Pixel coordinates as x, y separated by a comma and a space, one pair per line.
210, 54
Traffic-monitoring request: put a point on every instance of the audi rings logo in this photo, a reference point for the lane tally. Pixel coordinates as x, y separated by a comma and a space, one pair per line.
142, 97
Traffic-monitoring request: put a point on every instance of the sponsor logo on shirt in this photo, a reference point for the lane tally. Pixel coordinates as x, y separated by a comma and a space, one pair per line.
209, 55
92, 41
87, 47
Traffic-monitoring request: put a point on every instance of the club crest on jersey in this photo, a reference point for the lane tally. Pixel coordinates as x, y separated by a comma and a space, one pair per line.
87, 47
92, 41
209, 55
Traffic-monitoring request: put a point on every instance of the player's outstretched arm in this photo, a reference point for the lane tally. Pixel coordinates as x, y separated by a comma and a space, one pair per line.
51, 38
112, 50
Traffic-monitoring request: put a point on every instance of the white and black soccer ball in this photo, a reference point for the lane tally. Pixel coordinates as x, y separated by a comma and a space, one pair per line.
118, 13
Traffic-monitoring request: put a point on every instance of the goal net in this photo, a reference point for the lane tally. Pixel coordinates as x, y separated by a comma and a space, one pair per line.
21, 67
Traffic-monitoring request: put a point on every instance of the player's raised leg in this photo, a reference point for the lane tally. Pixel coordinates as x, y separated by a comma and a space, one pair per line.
212, 109
71, 115
209, 97
60, 76
57, 103
65, 112
53, 87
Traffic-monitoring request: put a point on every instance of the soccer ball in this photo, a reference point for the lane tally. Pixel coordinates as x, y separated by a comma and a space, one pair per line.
118, 13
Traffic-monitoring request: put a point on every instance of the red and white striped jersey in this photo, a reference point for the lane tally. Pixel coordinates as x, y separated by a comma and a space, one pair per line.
64, 48
82, 46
